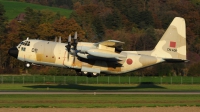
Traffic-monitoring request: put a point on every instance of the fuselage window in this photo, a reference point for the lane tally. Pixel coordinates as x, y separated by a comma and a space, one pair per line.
34, 50
28, 43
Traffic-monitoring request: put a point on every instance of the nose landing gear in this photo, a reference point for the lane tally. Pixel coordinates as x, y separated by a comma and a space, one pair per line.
27, 65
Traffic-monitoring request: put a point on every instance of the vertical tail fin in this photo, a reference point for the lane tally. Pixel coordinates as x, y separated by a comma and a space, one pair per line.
172, 45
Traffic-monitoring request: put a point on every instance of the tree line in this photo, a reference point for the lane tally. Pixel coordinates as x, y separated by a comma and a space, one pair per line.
138, 23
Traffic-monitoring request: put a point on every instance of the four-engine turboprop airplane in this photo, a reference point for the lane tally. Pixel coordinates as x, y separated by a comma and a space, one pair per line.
103, 57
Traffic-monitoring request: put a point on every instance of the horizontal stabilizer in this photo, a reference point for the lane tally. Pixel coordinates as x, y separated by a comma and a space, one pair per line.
175, 60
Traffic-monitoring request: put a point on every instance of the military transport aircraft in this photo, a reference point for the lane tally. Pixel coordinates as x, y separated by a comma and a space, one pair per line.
106, 57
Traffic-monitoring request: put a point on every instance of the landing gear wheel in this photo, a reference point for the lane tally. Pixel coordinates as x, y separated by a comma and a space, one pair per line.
79, 73
84, 73
88, 74
28, 65
94, 74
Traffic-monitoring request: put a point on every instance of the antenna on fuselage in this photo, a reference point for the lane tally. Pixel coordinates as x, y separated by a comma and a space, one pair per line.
55, 39
27, 38
59, 39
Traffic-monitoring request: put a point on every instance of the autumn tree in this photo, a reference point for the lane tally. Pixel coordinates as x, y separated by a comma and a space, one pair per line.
121, 35
194, 69
31, 23
99, 28
13, 39
3, 20
45, 31
63, 27
37, 24
113, 20
85, 15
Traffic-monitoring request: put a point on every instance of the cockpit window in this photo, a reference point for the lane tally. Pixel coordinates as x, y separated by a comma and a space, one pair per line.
25, 43
19, 46
22, 43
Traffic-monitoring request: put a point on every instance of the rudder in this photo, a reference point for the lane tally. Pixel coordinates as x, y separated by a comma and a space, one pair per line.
172, 44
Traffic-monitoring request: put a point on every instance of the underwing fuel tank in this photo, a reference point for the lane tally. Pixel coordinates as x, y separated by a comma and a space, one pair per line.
104, 53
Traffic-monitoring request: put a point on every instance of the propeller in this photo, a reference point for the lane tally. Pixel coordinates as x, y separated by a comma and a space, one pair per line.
75, 41
74, 44
68, 46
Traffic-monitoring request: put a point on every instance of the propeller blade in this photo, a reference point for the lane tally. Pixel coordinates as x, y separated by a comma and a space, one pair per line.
75, 45
75, 40
75, 35
68, 56
68, 46
69, 38
74, 56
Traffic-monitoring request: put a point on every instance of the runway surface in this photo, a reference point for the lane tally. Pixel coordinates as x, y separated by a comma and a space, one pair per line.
101, 93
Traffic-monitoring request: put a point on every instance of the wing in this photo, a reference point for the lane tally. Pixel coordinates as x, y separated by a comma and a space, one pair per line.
112, 43
105, 50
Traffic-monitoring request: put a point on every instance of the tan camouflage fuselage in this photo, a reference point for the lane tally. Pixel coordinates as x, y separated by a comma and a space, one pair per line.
55, 54
102, 57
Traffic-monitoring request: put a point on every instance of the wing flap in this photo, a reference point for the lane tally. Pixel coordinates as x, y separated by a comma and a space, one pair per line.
112, 43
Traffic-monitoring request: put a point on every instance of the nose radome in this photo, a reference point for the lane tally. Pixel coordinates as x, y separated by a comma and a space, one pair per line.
13, 52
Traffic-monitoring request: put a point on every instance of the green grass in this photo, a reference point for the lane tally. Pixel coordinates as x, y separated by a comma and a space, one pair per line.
41, 79
97, 101
98, 87
101, 83
61, 83
13, 8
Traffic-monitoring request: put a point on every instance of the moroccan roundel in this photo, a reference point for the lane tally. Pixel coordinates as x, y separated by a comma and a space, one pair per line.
129, 61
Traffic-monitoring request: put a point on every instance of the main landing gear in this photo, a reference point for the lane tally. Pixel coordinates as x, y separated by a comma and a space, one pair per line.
88, 74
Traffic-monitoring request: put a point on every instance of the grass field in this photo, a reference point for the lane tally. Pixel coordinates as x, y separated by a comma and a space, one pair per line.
102, 83
13, 9
98, 87
97, 101
42, 79
94, 101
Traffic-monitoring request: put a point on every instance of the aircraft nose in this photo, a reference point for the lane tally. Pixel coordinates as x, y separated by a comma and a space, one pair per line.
13, 52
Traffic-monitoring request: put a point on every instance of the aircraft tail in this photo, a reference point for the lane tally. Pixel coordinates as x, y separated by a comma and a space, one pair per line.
172, 45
